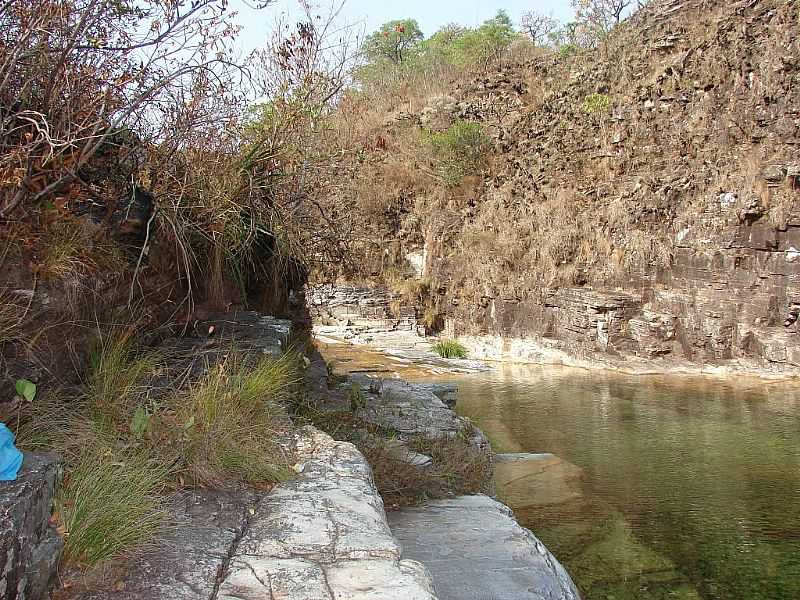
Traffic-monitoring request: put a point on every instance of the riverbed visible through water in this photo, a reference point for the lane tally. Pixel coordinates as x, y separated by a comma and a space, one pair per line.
645, 487
659, 487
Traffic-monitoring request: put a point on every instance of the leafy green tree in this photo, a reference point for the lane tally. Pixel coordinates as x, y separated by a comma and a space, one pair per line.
464, 47
395, 41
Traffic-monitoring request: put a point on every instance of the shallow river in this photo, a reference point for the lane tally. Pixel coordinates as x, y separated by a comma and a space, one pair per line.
660, 488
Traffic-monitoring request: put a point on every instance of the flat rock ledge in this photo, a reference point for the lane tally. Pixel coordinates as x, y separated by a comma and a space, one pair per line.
476, 550
323, 536
416, 409
320, 536
472, 545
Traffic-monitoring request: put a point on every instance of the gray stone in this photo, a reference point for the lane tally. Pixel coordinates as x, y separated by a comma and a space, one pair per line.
323, 536
414, 409
474, 549
29, 548
190, 561
446, 392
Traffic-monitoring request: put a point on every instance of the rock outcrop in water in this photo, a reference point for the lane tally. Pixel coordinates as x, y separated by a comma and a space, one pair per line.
475, 549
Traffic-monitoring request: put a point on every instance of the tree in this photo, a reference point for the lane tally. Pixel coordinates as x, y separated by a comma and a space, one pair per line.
600, 16
394, 41
76, 73
538, 27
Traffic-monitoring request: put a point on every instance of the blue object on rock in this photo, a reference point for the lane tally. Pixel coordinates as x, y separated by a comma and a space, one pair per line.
10, 456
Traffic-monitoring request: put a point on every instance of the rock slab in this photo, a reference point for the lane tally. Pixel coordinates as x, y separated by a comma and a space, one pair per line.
475, 549
192, 558
29, 547
323, 536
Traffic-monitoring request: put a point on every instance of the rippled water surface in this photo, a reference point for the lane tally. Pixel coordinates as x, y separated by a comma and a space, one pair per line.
660, 487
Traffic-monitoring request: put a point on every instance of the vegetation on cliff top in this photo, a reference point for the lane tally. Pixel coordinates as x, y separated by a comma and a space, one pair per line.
609, 139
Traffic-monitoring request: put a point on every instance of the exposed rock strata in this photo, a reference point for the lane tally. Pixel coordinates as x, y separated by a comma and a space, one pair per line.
472, 545
360, 308
193, 556
729, 309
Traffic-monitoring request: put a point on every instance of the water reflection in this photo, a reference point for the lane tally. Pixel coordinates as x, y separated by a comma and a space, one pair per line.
688, 487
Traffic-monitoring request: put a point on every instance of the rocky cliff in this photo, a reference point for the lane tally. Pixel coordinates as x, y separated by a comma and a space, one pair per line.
641, 199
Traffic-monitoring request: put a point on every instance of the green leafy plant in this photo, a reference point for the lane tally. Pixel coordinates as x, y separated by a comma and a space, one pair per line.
140, 422
450, 349
26, 389
567, 50
459, 151
596, 104
356, 396
395, 41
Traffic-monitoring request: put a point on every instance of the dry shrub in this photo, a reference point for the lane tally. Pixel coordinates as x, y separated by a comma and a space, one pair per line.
458, 467
12, 317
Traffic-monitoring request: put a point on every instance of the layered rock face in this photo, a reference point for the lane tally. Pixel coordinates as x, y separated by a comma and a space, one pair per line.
359, 308
731, 306
645, 201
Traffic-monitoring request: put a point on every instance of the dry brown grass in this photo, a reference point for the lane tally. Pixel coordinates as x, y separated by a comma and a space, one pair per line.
458, 467
12, 317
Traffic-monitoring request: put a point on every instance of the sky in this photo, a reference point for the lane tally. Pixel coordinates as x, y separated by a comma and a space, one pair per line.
371, 14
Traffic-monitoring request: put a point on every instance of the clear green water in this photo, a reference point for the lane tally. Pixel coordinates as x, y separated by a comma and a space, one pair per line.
687, 488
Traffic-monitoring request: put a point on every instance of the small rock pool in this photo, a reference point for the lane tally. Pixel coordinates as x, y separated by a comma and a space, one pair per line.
658, 487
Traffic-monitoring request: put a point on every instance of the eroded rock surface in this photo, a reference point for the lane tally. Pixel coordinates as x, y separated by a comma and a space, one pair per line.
195, 553
413, 409
475, 549
29, 547
323, 536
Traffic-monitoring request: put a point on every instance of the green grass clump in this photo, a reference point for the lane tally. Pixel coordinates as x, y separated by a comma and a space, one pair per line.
450, 349
596, 104
126, 445
110, 503
114, 386
230, 421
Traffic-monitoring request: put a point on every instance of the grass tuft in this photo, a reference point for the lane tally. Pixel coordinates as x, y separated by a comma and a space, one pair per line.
115, 382
230, 421
124, 450
111, 503
450, 349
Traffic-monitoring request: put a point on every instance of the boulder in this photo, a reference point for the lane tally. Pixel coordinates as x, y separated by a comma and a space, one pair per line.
29, 546
475, 549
